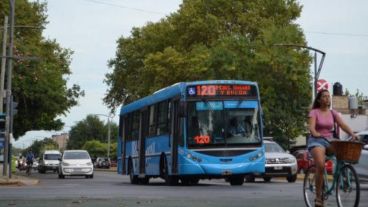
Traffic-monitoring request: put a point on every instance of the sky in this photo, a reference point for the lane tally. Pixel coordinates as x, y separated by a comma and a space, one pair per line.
91, 28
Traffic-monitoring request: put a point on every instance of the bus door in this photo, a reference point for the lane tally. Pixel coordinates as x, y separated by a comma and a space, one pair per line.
143, 128
174, 135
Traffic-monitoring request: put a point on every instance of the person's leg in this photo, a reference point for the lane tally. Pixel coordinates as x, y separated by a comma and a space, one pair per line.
318, 154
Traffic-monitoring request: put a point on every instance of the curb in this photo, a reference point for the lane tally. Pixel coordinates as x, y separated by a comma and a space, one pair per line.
18, 180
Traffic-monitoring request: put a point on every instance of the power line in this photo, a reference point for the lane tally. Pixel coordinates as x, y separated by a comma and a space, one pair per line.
124, 7
338, 34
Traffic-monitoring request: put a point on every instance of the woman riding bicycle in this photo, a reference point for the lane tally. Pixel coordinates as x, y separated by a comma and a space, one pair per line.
321, 120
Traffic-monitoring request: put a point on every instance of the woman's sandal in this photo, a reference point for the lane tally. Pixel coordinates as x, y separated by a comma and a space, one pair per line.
318, 203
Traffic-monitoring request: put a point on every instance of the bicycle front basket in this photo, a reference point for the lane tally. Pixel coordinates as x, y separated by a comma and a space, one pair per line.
347, 151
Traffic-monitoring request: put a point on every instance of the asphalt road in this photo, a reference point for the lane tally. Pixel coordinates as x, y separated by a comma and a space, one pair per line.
111, 189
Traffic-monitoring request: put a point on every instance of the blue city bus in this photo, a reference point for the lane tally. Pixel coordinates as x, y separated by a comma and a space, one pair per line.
191, 131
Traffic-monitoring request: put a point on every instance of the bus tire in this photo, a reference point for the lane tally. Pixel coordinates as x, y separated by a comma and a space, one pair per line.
133, 178
164, 173
144, 181
236, 180
189, 181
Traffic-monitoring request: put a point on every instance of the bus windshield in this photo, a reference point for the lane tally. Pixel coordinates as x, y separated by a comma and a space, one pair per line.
222, 123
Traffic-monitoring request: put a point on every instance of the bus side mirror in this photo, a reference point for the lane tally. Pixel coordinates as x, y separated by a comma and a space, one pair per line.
182, 109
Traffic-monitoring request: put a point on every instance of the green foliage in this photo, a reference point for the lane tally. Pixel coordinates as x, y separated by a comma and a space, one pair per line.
220, 39
95, 148
91, 128
40, 146
39, 86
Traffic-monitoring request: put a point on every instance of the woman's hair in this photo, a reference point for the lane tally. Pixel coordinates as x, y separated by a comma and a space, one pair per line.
316, 103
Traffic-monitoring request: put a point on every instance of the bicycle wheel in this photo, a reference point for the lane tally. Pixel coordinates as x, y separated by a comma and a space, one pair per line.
309, 186
347, 187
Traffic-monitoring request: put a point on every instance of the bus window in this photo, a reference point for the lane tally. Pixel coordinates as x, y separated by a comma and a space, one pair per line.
162, 118
135, 126
212, 124
152, 121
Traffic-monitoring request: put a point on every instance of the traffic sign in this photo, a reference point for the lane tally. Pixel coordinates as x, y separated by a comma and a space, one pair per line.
322, 84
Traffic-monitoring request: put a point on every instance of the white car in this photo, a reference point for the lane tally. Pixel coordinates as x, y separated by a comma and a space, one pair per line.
362, 166
278, 164
49, 160
76, 163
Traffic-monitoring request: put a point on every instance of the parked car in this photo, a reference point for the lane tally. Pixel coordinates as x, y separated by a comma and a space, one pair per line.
278, 164
102, 162
49, 161
76, 163
362, 166
305, 160
363, 136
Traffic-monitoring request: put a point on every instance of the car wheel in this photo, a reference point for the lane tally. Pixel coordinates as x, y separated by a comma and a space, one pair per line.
291, 178
267, 179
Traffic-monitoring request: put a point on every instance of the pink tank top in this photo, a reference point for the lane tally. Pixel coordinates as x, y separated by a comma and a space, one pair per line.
324, 122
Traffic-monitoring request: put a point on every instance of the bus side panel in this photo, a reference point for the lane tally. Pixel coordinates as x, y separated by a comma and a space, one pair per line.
155, 146
119, 156
132, 151
200, 164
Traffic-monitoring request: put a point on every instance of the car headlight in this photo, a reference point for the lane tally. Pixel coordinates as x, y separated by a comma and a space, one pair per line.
89, 164
65, 163
290, 160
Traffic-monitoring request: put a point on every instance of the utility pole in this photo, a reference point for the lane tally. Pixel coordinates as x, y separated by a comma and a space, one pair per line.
2, 82
317, 69
3, 64
8, 132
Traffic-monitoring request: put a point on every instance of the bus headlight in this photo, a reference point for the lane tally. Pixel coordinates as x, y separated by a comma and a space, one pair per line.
257, 156
194, 158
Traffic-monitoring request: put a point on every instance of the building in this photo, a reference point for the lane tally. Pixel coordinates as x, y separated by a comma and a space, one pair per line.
61, 140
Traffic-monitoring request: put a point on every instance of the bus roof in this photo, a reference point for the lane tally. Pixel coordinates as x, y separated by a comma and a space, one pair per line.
172, 91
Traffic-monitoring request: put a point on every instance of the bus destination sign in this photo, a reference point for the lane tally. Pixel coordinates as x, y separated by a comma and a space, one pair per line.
221, 90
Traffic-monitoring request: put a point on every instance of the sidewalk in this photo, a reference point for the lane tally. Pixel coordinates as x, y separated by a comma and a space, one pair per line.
17, 180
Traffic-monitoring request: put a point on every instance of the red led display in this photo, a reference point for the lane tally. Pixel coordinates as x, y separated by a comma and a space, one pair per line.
222, 90
202, 139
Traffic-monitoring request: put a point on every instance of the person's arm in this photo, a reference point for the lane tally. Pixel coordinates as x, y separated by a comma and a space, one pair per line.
312, 127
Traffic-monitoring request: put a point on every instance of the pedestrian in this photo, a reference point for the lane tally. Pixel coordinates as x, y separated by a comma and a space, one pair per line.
321, 121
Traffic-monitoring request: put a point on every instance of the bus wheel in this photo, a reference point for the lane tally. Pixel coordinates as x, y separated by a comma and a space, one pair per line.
189, 181
133, 178
169, 179
144, 181
237, 180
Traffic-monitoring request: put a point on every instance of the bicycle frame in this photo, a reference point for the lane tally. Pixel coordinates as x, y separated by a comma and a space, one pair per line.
337, 170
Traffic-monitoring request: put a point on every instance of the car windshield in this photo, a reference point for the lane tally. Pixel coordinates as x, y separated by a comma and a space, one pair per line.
219, 123
52, 156
273, 147
76, 155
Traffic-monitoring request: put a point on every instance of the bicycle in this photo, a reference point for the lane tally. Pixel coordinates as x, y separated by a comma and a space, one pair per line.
29, 168
345, 182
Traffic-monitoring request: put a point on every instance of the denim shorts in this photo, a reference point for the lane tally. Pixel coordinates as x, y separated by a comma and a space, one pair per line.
317, 142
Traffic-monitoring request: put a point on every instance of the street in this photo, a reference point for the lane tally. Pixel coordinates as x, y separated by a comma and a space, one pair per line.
111, 189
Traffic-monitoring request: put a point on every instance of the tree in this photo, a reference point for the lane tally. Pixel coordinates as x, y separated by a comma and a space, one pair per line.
40, 146
91, 128
99, 149
220, 39
95, 148
39, 86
